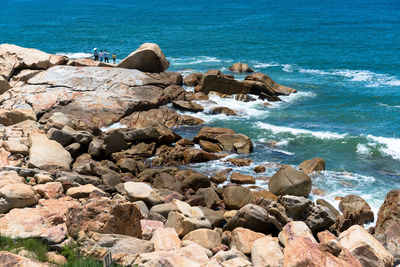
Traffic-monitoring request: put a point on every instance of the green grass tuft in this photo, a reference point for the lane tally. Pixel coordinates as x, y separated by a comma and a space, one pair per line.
31, 244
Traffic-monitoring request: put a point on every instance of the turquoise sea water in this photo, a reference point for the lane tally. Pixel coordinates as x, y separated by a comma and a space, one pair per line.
343, 57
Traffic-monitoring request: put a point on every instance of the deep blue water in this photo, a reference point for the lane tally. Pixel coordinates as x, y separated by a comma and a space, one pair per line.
343, 57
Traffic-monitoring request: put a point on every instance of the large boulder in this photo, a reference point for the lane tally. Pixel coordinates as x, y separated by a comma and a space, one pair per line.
185, 218
14, 116
266, 252
141, 191
167, 117
241, 67
193, 79
104, 95
105, 216
215, 81
267, 81
355, 210
312, 165
166, 239
243, 239
147, 58
387, 228
17, 195
365, 247
236, 197
288, 181
206, 238
47, 154
10, 177
13, 58
187, 106
293, 231
252, 217
4, 85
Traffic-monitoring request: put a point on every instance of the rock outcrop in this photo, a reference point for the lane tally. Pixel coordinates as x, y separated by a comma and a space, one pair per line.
147, 58
288, 181
241, 67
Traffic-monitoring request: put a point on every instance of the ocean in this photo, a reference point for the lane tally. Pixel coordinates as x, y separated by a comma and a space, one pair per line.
343, 57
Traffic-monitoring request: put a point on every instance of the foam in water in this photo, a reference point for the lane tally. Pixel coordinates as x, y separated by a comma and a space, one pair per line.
76, 55
388, 106
194, 60
283, 129
362, 149
392, 145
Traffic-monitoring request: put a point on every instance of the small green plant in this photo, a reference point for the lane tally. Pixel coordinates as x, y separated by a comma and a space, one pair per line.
83, 262
31, 244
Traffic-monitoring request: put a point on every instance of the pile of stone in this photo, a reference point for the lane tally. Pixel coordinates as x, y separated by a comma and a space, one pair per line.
65, 178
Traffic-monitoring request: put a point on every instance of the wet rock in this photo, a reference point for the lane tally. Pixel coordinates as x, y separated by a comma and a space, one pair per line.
223, 110
47, 154
387, 229
237, 143
239, 178
266, 252
259, 169
236, 197
312, 165
241, 67
267, 81
365, 247
240, 162
209, 146
187, 106
193, 79
147, 58
215, 81
355, 210
105, 216
298, 208
288, 181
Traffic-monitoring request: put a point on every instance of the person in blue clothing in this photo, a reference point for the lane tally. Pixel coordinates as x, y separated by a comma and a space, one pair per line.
96, 54
106, 57
101, 55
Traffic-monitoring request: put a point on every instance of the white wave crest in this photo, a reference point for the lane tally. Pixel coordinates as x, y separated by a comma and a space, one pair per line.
362, 149
392, 145
283, 129
194, 60
76, 55
388, 106
116, 125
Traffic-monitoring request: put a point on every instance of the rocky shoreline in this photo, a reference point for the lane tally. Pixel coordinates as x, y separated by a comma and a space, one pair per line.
68, 178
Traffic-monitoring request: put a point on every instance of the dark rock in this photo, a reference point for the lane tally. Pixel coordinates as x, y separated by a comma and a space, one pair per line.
288, 181
196, 181
235, 197
193, 79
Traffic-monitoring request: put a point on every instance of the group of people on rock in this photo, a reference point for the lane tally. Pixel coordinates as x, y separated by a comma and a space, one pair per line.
103, 56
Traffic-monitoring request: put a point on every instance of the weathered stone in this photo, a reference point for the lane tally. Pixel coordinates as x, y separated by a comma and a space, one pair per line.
206, 238
141, 191
149, 227
186, 218
365, 247
49, 190
298, 207
47, 154
211, 198
259, 169
17, 195
167, 181
288, 181
241, 67
239, 178
10, 177
312, 165
96, 148
215, 81
293, 231
387, 229
4, 85
17, 115
320, 219
196, 181
147, 58
237, 143
9, 259
236, 197
16, 148
114, 141
193, 79
252, 217
60, 136
215, 217
58, 120
84, 191
266, 252
243, 239
194, 252
223, 110
209, 146
166, 239
105, 216
187, 106
267, 81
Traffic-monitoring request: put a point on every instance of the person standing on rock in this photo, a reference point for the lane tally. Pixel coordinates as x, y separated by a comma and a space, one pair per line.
96, 54
106, 57
101, 55
114, 57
